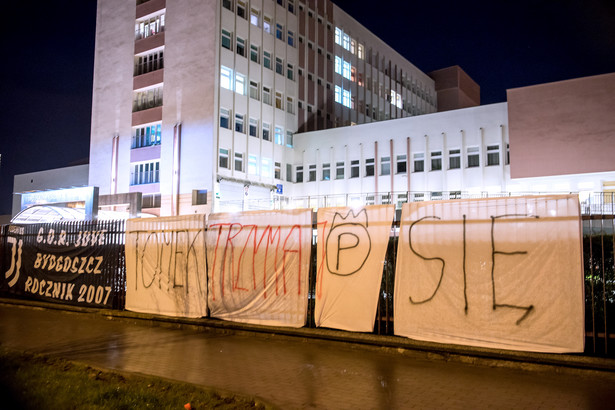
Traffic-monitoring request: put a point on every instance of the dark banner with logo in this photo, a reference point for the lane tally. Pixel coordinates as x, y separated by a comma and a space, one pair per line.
79, 263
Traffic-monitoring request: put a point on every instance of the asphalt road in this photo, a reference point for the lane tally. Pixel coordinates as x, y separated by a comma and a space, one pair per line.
297, 373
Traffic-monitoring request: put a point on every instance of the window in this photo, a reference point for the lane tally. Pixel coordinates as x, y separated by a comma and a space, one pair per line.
266, 167
289, 139
326, 171
267, 95
290, 105
267, 59
279, 66
241, 46
290, 38
299, 173
279, 31
507, 154
401, 166
277, 170
338, 94
278, 100
225, 121
353, 74
339, 170
473, 157
254, 17
239, 123
226, 76
493, 155
241, 9
279, 136
227, 39
267, 24
153, 200
223, 158
291, 6
454, 159
252, 164
369, 167
289, 172
253, 128
436, 160
419, 162
240, 84
396, 99
254, 90
266, 129
147, 99
148, 63
290, 72
338, 36
227, 4
147, 136
254, 53
239, 161
281, 2
346, 98
346, 69
312, 173
146, 173
346, 41
385, 165
338, 64
360, 52
353, 46
150, 27
354, 168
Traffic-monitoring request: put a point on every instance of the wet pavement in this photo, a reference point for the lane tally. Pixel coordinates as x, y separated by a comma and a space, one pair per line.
297, 373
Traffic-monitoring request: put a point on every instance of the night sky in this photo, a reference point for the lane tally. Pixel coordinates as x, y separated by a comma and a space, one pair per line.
48, 50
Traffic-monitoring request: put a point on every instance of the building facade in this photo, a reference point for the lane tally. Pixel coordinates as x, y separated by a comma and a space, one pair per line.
198, 101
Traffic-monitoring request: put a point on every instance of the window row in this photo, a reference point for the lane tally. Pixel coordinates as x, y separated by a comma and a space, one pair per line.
149, 27
147, 136
147, 99
268, 25
338, 170
266, 167
145, 173
349, 43
148, 63
252, 128
343, 97
346, 70
237, 82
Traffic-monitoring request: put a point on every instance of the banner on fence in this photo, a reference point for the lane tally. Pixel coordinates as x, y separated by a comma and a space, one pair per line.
74, 263
502, 273
258, 266
165, 266
352, 244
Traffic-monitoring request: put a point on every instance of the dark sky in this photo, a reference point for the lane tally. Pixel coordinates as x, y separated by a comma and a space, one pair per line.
48, 50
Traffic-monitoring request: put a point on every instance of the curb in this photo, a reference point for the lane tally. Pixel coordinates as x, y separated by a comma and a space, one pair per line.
427, 350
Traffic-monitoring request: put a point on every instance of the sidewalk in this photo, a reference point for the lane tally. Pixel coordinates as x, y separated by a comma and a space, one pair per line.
303, 368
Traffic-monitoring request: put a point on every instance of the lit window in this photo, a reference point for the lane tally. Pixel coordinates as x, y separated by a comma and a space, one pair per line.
240, 84
326, 172
279, 136
353, 74
254, 53
225, 121
267, 59
338, 64
401, 164
339, 170
226, 76
346, 70
360, 52
254, 17
338, 36
473, 157
239, 161
385, 165
278, 100
266, 130
267, 24
454, 159
289, 139
266, 167
277, 170
267, 95
353, 46
227, 39
253, 127
252, 164
239, 123
419, 162
338, 94
289, 172
346, 98
354, 168
436, 160
493, 155
223, 158
346, 41
369, 167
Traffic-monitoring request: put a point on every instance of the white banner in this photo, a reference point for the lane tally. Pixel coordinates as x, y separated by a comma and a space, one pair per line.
165, 266
258, 266
351, 248
501, 273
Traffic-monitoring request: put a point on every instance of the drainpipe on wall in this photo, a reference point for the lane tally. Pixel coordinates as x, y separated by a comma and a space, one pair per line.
177, 132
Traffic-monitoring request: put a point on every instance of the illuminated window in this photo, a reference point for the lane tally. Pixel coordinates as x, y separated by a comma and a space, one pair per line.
226, 78
346, 69
277, 170
148, 63
338, 64
279, 136
266, 167
254, 17
252, 164
146, 173
346, 41
278, 100
240, 84
289, 139
338, 36
338, 94
353, 46
289, 172
149, 27
147, 136
144, 100
346, 98
267, 24
360, 52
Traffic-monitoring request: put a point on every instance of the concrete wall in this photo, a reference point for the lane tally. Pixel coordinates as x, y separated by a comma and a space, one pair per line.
562, 128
